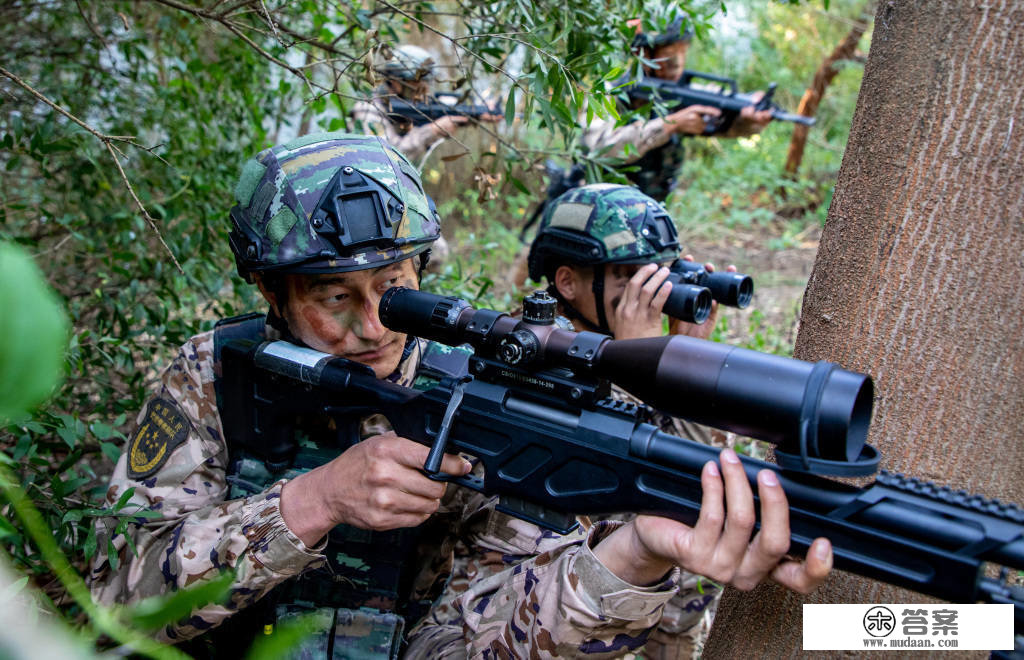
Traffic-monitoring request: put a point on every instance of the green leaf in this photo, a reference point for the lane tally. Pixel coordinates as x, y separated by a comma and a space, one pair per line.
31, 341
287, 636
158, 611
519, 185
125, 496
7, 530
510, 107
101, 431
13, 589
89, 547
111, 451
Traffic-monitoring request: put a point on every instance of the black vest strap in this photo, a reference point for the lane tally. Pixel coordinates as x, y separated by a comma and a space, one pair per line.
250, 326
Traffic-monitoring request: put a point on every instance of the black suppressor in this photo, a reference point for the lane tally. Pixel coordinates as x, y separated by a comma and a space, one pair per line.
733, 289
810, 410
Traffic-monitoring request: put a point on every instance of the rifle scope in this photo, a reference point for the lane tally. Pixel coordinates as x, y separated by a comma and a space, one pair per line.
816, 413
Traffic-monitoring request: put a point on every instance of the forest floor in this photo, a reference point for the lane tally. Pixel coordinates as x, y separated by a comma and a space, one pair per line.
780, 277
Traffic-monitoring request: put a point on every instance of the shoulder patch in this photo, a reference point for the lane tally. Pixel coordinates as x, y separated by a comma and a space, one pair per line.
162, 429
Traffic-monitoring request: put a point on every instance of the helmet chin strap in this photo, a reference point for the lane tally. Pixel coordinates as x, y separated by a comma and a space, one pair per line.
574, 314
598, 288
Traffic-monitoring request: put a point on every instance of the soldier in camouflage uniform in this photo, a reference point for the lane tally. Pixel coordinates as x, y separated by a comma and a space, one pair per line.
407, 75
602, 249
349, 529
658, 148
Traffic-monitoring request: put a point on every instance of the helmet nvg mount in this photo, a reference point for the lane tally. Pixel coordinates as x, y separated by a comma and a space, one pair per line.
328, 203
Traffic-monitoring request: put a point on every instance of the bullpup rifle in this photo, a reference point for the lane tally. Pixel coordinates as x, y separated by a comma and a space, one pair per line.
720, 92
421, 113
534, 410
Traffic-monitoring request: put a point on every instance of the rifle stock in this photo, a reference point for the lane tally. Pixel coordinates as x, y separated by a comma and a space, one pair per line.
553, 446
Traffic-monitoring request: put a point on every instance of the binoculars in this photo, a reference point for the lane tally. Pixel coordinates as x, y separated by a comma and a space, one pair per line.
693, 289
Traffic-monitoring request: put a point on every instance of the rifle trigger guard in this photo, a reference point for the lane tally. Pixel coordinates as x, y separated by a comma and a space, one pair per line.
432, 466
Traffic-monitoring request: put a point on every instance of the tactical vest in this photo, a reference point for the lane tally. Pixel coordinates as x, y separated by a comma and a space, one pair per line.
658, 169
362, 594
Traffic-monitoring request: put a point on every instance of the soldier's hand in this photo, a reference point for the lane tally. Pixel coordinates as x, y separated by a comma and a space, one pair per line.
446, 126
719, 545
750, 121
690, 120
703, 330
638, 314
376, 484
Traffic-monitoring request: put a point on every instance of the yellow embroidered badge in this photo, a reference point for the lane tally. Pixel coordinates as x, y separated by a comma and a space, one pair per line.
162, 429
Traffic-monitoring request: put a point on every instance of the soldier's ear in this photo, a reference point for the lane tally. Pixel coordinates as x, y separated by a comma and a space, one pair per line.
567, 282
269, 294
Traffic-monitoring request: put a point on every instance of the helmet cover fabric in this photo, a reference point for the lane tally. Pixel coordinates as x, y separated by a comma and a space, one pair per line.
408, 62
279, 224
602, 223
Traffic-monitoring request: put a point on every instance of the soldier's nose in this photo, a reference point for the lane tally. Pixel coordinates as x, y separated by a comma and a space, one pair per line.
372, 328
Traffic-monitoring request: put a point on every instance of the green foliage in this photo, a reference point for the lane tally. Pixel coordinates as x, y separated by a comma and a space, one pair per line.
33, 332
155, 612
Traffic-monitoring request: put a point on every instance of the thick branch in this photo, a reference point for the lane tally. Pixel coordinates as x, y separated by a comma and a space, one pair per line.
812, 97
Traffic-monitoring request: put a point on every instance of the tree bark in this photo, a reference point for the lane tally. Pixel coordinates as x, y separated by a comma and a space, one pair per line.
812, 96
918, 277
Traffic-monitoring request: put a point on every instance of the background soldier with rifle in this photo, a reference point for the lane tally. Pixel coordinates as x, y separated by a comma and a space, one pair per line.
414, 121
657, 144
328, 510
406, 113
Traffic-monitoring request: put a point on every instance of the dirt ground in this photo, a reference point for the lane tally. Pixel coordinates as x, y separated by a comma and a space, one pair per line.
780, 277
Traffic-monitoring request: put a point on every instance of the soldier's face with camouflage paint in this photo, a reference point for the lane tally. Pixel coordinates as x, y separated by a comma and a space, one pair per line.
671, 59
337, 313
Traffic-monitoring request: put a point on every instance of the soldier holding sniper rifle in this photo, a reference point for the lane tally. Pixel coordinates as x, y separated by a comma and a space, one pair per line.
533, 411
320, 505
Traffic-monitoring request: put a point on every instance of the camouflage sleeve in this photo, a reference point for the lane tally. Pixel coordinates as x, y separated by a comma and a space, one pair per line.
603, 137
175, 462
519, 591
371, 118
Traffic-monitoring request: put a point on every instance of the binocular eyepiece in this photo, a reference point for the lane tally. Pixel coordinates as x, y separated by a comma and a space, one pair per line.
693, 289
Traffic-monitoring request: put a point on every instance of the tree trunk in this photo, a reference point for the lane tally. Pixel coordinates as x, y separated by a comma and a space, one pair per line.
918, 277
812, 97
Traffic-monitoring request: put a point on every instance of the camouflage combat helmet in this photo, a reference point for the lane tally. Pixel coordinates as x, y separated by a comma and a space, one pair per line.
328, 203
602, 223
673, 27
599, 224
410, 63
